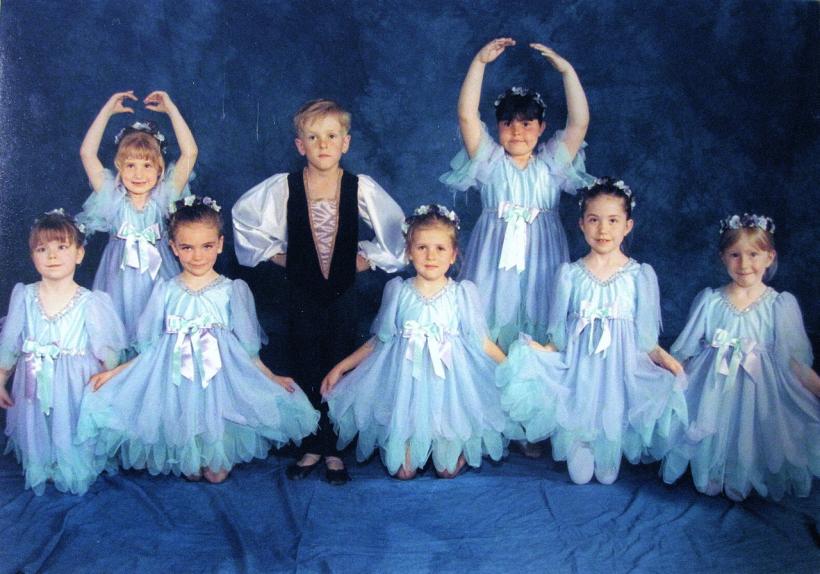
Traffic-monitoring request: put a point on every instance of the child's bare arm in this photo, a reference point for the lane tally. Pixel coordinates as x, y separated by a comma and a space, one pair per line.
347, 364
90, 147
663, 359
494, 351
285, 382
469, 120
101, 378
5, 399
577, 107
159, 101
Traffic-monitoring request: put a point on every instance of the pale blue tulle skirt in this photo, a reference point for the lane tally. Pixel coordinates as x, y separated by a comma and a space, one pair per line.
515, 302
128, 287
751, 435
389, 409
152, 423
617, 403
45, 444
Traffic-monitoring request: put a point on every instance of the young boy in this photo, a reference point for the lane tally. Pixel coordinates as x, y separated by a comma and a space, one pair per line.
307, 222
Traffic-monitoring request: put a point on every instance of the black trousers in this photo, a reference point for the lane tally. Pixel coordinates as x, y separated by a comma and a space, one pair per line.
321, 333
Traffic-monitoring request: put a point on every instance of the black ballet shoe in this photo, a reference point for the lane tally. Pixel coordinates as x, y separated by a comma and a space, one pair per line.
298, 472
337, 476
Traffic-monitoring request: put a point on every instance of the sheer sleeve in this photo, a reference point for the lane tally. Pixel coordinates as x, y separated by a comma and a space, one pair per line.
378, 210
466, 172
166, 193
570, 173
384, 325
99, 212
647, 309
691, 337
244, 322
106, 333
11, 335
151, 324
559, 307
790, 339
260, 221
471, 314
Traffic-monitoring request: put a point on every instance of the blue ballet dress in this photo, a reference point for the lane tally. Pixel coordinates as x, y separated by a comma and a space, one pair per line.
137, 253
754, 425
601, 391
518, 241
428, 386
53, 358
194, 397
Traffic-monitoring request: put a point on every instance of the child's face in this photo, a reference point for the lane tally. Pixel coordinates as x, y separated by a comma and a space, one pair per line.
57, 259
323, 142
197, 246
432, 252
605, 224
139, 176
519, 136
746, 262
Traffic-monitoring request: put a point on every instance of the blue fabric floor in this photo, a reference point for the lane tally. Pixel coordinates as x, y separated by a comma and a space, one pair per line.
519, 516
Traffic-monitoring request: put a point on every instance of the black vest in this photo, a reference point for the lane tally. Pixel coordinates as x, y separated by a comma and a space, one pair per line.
303, 269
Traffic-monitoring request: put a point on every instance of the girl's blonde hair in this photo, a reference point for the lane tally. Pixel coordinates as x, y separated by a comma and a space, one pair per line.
760, 238
430, 216
139, 145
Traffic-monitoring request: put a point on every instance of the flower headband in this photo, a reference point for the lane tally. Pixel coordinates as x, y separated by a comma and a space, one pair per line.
149, 128
524, 93
747, 220
60, 211
432, 208
192, 200
619, 184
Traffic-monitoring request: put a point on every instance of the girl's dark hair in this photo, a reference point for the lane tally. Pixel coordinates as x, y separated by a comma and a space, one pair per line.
56, 225
193, 209
608, 186
521, 104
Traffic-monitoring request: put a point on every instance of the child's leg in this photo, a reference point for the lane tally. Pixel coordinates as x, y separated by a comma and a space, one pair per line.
581, 463
307, 334
215, 477
406, 471
459, 466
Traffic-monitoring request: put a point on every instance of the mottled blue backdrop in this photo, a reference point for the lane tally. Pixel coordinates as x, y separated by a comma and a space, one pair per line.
704, 107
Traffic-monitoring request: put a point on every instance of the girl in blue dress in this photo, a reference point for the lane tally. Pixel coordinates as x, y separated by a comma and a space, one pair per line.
132, 205
424, 384
602, 388
518, 241
55, 337
196, 400
752, 392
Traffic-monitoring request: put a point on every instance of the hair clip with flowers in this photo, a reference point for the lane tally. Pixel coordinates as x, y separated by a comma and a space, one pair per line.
146, 127
427, 209
524, 93
609, 182
747, 220
192, 200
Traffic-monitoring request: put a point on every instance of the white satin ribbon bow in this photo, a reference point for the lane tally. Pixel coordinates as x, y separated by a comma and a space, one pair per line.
743, 353
196, 348
140, 250
432, 336
513, 250
588, 315
41, 362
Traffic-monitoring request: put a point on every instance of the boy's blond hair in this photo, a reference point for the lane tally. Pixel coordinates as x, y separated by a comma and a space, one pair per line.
315, 109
